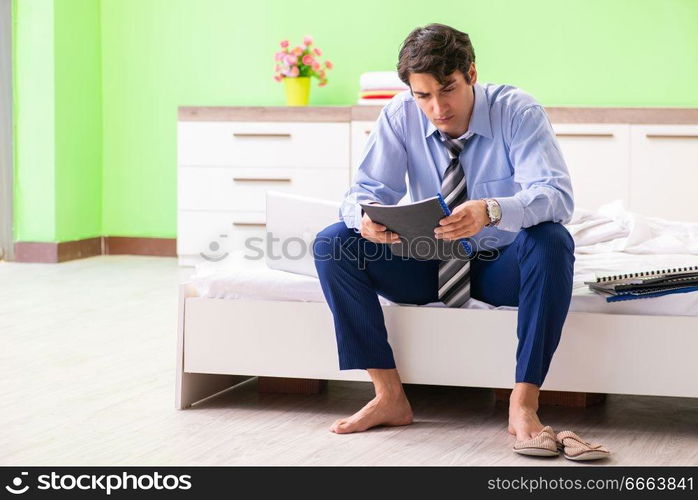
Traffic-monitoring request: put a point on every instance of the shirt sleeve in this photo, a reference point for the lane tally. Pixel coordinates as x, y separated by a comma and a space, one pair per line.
540, 169
381, 173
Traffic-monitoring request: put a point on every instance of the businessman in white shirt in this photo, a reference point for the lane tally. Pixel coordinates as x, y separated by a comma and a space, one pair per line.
510, 196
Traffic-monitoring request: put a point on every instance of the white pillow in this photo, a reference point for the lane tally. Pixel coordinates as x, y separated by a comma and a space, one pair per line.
292, 222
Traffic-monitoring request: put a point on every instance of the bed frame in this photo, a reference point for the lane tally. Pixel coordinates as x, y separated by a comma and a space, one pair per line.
221, 343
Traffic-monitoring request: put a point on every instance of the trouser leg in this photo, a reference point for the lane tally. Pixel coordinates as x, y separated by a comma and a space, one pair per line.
535, 273
352, 271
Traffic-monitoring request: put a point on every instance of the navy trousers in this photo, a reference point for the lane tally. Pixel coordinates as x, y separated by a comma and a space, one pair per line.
533, 273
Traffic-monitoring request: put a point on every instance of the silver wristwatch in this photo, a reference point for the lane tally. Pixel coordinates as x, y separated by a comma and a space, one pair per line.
494, 212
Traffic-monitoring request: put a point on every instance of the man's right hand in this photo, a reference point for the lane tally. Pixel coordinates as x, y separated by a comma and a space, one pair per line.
375, 232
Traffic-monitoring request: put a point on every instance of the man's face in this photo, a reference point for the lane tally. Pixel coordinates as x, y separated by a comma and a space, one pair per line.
453, 101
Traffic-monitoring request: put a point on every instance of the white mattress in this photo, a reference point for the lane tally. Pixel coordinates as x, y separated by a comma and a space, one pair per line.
609, 240
237, 277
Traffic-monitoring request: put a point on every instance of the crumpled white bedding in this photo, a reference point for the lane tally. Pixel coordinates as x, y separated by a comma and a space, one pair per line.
612, 228
610, 240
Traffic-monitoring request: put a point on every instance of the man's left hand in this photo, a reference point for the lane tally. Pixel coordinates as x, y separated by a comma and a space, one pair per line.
465, 220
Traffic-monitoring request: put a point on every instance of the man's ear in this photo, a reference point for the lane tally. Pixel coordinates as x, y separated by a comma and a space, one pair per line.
472, 72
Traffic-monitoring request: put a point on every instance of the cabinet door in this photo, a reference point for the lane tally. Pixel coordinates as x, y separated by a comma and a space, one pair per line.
597, 156
664, 177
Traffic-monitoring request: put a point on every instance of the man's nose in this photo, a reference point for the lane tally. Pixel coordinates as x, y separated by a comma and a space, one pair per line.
438, 108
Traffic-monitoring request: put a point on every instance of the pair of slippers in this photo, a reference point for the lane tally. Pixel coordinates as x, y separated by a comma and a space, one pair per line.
547, 444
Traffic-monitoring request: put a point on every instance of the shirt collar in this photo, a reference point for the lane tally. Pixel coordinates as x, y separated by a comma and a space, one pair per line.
479, 119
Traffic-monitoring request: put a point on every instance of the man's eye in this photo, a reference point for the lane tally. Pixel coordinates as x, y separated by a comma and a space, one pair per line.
448, 90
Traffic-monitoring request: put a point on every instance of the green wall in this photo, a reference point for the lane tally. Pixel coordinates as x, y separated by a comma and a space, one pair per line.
34, 203
155, 55
58, 120
78, 91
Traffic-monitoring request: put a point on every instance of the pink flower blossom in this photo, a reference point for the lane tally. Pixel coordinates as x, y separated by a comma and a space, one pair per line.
294, 71
298, 50
278, 78
291, 59
328, 63
322, 83
308, 60
307, 40
317, 51
284, 44
316, 65
277, 68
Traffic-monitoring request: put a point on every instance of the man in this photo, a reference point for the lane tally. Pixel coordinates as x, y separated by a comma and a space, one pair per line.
491, 152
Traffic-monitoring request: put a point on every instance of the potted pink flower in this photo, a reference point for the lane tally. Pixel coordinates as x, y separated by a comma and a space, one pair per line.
295, 67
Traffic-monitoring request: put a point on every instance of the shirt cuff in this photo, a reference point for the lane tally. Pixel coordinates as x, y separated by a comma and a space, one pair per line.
512, 214
358, 215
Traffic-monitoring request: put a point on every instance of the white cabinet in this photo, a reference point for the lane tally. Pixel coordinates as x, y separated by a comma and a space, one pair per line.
225, 168
664, 178
598, 159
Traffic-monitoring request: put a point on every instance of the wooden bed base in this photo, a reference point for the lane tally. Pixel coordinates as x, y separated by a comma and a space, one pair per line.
221, 343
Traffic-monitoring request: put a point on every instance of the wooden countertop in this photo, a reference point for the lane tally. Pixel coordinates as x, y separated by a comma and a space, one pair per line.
662, 116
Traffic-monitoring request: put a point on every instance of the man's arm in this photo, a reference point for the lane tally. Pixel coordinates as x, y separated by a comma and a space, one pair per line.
540, 168
381, 173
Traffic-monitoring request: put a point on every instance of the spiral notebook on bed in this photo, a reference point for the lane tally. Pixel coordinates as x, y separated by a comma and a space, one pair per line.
646, 284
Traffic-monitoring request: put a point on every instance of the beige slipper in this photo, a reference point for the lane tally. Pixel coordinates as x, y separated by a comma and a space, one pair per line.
575, 448
543, 445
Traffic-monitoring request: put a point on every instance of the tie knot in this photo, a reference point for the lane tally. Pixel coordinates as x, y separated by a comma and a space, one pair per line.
454, 146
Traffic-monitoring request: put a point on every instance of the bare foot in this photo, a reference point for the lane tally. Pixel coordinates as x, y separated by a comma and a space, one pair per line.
523, 423
378, 411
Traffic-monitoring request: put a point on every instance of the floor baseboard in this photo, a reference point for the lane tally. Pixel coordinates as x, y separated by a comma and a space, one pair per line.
54, 252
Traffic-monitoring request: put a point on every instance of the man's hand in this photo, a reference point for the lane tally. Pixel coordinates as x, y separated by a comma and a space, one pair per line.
375, 232
466, 220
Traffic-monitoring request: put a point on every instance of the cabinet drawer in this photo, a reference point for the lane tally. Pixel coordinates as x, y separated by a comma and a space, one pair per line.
665, 166
598, 161
227, 188
264, 144
210, 234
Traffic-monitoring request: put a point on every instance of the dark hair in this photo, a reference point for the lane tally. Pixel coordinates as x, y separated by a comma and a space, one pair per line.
436, 49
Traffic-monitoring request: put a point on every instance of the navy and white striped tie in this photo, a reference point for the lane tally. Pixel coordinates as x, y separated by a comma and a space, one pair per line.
454, 274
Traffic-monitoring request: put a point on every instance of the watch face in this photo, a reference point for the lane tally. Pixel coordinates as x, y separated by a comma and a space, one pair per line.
494, 211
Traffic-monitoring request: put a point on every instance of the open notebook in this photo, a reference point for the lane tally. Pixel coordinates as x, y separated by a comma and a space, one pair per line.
646, 284
415, 223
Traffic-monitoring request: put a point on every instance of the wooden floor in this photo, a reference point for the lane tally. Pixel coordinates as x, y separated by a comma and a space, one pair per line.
87, 352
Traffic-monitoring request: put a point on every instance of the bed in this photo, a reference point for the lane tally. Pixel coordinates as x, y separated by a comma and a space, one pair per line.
241, 318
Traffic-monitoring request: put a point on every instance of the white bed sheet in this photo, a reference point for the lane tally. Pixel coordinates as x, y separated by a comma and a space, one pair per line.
240, 278
610, 240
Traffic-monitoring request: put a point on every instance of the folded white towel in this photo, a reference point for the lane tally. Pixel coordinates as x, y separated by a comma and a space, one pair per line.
373, 102
381, 80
